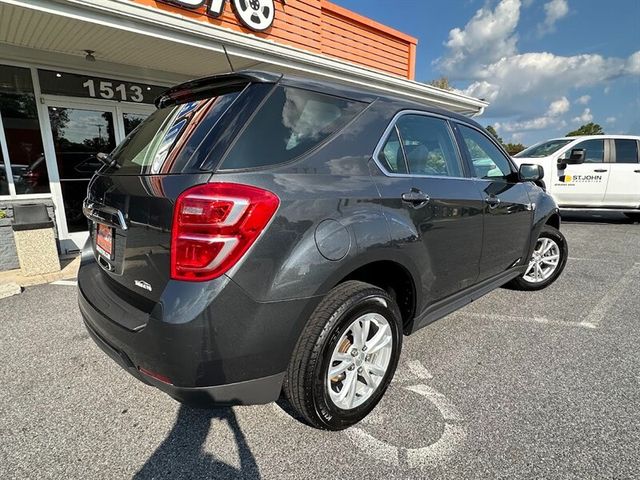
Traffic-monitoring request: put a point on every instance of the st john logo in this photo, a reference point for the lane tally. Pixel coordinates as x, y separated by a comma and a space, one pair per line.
257, 15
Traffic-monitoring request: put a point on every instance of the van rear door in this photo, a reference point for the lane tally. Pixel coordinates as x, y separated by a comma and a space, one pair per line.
130, 202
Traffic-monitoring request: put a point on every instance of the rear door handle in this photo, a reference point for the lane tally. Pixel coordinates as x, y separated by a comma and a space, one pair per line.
601, 170
637, 171
416, 198
493, 202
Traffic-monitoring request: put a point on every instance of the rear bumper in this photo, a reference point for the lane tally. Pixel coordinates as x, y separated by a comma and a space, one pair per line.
233, 351
249, 392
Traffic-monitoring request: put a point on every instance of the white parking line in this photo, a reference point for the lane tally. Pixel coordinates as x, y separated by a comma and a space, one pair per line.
68, 283
627, 283
525, 319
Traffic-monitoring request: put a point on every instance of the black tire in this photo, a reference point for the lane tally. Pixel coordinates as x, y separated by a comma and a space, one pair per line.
634, 216
520, 283
304, 384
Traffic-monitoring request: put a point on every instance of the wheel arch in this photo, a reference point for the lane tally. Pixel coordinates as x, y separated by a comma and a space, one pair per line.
392, 276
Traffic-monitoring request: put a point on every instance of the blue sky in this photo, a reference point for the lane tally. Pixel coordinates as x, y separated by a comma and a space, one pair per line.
547, 66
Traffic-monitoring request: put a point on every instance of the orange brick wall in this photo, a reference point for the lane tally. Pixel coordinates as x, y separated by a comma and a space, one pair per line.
320, 26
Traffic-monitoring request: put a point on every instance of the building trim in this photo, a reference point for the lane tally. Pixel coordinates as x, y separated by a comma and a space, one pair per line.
161, 24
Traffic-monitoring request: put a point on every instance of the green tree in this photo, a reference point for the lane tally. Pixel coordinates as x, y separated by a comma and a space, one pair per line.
495, 135
442, 83
513, 148
587, 129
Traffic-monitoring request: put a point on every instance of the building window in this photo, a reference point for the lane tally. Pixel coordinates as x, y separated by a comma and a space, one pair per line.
19, 113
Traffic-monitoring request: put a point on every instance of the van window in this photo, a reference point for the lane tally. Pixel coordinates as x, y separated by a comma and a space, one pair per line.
544, 149
291, 122
428, 146
391, 156
594, 151
164, 142
626, 151
488, 161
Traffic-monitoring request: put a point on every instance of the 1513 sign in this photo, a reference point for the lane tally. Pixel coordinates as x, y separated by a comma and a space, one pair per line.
257, 15
73, 85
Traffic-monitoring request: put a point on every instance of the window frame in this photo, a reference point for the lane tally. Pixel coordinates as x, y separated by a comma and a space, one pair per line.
613, 152
393, 125
511, 178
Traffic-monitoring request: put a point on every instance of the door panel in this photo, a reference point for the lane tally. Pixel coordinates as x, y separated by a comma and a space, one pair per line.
507, 209
507, 226
584, 184
443, 238
623, 188
434, 215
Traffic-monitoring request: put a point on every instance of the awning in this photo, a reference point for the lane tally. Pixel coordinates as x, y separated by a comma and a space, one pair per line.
134, 40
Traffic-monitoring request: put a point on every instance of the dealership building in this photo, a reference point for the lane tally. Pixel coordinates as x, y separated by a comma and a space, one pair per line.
76, 76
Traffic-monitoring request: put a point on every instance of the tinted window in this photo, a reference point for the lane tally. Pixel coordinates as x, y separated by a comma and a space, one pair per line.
626, 151
22, 131
488, 161
391, 156
594, 151
428, 146
291, 123
166, 139
544, 149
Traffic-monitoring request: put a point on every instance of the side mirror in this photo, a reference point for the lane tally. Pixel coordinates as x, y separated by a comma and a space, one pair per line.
530, 173
577, 156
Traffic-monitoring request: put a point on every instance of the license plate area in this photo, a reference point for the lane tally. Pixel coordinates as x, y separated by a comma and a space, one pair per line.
104, 240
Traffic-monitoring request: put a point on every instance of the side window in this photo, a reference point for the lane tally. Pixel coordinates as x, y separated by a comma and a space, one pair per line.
428, 146
594, 151
626, 151
488, 161
291, 123
391, 156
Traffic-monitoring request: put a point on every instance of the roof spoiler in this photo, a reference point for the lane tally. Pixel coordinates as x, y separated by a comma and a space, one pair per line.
217, 83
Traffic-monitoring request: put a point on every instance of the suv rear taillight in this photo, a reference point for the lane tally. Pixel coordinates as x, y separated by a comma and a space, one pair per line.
214, 225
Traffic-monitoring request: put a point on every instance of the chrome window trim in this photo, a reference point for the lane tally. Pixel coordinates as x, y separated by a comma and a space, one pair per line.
393, 125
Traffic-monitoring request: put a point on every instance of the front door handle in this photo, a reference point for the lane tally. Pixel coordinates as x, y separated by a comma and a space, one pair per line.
493, 202
416, 198
636, 171
601, 170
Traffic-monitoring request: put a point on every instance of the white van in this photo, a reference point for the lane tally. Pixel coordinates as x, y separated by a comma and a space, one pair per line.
600, 172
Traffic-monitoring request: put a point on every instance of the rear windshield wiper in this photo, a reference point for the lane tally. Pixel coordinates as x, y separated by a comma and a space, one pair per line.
106, 159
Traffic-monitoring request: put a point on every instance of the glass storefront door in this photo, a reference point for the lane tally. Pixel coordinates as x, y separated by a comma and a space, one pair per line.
79, 132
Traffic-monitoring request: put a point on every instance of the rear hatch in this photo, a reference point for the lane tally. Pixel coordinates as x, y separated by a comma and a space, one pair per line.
130, 201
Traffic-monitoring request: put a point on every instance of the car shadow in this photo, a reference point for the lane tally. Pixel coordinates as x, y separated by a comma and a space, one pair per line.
181, 455
596, 217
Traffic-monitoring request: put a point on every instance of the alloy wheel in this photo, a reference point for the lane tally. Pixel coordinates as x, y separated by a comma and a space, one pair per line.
360, 361
544, 261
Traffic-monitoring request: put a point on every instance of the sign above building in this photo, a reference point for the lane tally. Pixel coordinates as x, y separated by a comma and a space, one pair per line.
257, 15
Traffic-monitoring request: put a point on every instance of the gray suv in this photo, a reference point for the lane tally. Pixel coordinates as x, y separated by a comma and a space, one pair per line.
261, 235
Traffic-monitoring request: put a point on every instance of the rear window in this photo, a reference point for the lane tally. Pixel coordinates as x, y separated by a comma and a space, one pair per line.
291, 123
166, 140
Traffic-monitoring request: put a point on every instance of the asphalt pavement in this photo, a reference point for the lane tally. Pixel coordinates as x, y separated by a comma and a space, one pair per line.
516, 385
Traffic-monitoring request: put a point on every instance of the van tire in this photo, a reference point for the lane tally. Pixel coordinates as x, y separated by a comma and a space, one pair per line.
306, 383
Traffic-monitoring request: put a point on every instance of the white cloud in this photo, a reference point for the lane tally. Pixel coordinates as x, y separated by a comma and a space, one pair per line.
554, 11
584, 99
486, 38
611, 120
633, 64
556, 109
485, 53
586, 117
